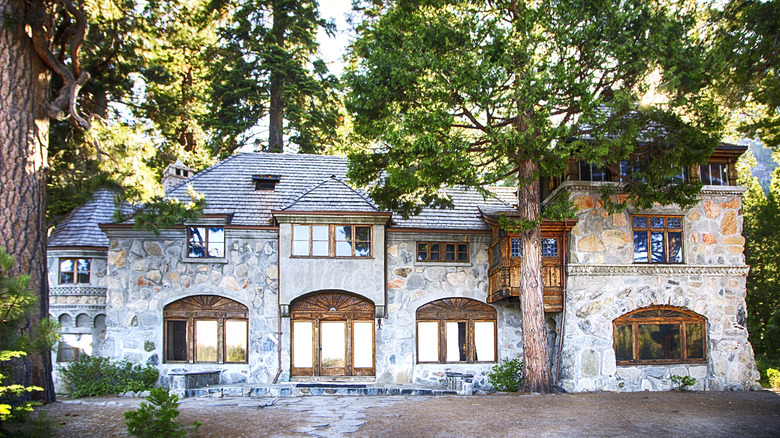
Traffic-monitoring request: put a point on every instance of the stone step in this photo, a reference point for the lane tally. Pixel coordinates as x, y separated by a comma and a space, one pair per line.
219, 391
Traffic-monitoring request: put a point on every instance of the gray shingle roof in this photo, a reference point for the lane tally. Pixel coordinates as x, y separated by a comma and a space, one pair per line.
313, 183
80, 226
332, 194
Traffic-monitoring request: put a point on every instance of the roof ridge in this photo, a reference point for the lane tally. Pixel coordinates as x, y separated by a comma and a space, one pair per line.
321, 183
205, 171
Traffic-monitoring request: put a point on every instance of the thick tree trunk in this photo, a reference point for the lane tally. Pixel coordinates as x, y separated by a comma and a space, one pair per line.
536, 373
24, 137
277, 102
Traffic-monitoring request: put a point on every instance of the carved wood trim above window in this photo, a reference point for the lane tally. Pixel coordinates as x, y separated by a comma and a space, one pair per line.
455, 308
335, 304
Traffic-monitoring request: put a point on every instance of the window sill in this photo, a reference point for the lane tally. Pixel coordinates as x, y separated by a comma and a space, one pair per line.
662, 362
441, 263
205, 260
330, 258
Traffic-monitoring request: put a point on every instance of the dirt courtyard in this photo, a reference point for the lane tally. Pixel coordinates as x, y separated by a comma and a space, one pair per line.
642, 414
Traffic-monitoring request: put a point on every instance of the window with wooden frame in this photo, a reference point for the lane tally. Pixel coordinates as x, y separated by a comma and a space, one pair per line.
331, 240
206, 329
75, 271
442, 252
592, 172
660, 335
456, 330
205, 242
714, 174
657, 239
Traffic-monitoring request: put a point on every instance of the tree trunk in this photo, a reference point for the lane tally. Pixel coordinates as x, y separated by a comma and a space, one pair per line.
24, 137
277, 103
536, 373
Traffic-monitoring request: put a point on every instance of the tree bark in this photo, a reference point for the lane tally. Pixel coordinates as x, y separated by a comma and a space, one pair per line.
277, 103
24, 137
537, 376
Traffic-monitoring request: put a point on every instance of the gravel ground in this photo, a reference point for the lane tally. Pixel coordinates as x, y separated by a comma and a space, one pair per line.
643, 414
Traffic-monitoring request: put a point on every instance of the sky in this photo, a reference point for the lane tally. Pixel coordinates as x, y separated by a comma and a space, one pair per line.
332, 49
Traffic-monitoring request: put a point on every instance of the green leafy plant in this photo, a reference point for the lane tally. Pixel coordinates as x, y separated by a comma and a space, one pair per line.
16, 302
156, 418
91, 376
683, 382
506, 376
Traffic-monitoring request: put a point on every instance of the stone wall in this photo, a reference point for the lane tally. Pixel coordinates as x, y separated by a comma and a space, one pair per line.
146, 272
79, 308
604, 284
412, 284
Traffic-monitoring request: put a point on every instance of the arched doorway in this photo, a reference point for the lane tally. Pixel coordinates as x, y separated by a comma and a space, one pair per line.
332, 335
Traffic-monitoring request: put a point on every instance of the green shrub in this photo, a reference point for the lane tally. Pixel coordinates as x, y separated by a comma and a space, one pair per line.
683, 382
156, 417
506, 376
91, 376
773, 378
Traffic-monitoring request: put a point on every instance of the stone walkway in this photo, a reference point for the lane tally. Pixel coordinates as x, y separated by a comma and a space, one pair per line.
320, 416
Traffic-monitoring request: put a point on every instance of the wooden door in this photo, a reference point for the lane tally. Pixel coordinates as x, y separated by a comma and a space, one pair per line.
332, 335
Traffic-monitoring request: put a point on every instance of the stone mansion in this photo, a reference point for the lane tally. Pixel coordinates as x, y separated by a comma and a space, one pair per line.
291, 274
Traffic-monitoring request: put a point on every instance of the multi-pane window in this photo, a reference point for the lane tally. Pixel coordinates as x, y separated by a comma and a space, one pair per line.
516, 245
206, 328
442, 252
657, 239
310, 240
455, 330
331, 240
75, 271
206, 242
72, 346
714, 174
550, 247
353, 241
660, 334
593, 172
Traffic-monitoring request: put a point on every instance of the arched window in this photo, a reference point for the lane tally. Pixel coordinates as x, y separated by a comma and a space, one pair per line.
206, 328
455, 330
660, 335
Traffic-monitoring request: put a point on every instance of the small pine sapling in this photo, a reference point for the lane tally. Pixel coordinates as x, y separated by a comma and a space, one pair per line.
157, 417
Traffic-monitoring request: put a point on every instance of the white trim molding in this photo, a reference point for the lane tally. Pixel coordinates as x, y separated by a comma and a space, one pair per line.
652, 269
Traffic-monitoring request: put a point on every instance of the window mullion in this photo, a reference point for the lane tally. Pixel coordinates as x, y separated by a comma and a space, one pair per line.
221, 340
191, 340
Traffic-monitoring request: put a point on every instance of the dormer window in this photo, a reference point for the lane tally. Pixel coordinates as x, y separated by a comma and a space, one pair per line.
265, 182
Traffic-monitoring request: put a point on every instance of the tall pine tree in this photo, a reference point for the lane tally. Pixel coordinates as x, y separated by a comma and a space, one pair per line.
266, 68
473, 92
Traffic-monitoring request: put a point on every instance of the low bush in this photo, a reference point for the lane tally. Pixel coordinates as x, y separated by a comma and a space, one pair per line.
156, 418
683, 382
506, 376
770, 373
91, 376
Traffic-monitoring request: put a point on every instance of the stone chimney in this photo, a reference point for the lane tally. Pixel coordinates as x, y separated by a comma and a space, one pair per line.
175, 173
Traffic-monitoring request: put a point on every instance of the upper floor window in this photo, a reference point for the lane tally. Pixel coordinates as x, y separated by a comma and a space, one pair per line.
550, 247
442, 252
516, 245
657, 239
714, 174
593, 172
75, 271
455, 330
206, 242
331, 241
658, 334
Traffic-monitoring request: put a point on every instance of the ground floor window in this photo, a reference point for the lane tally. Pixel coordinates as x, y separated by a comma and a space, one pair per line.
332, 335
206, 329
72, 346
455, 330
660, 334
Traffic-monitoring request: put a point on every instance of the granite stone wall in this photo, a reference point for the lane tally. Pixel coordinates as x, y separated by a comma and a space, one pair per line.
412, 284
604, 284
146, 272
